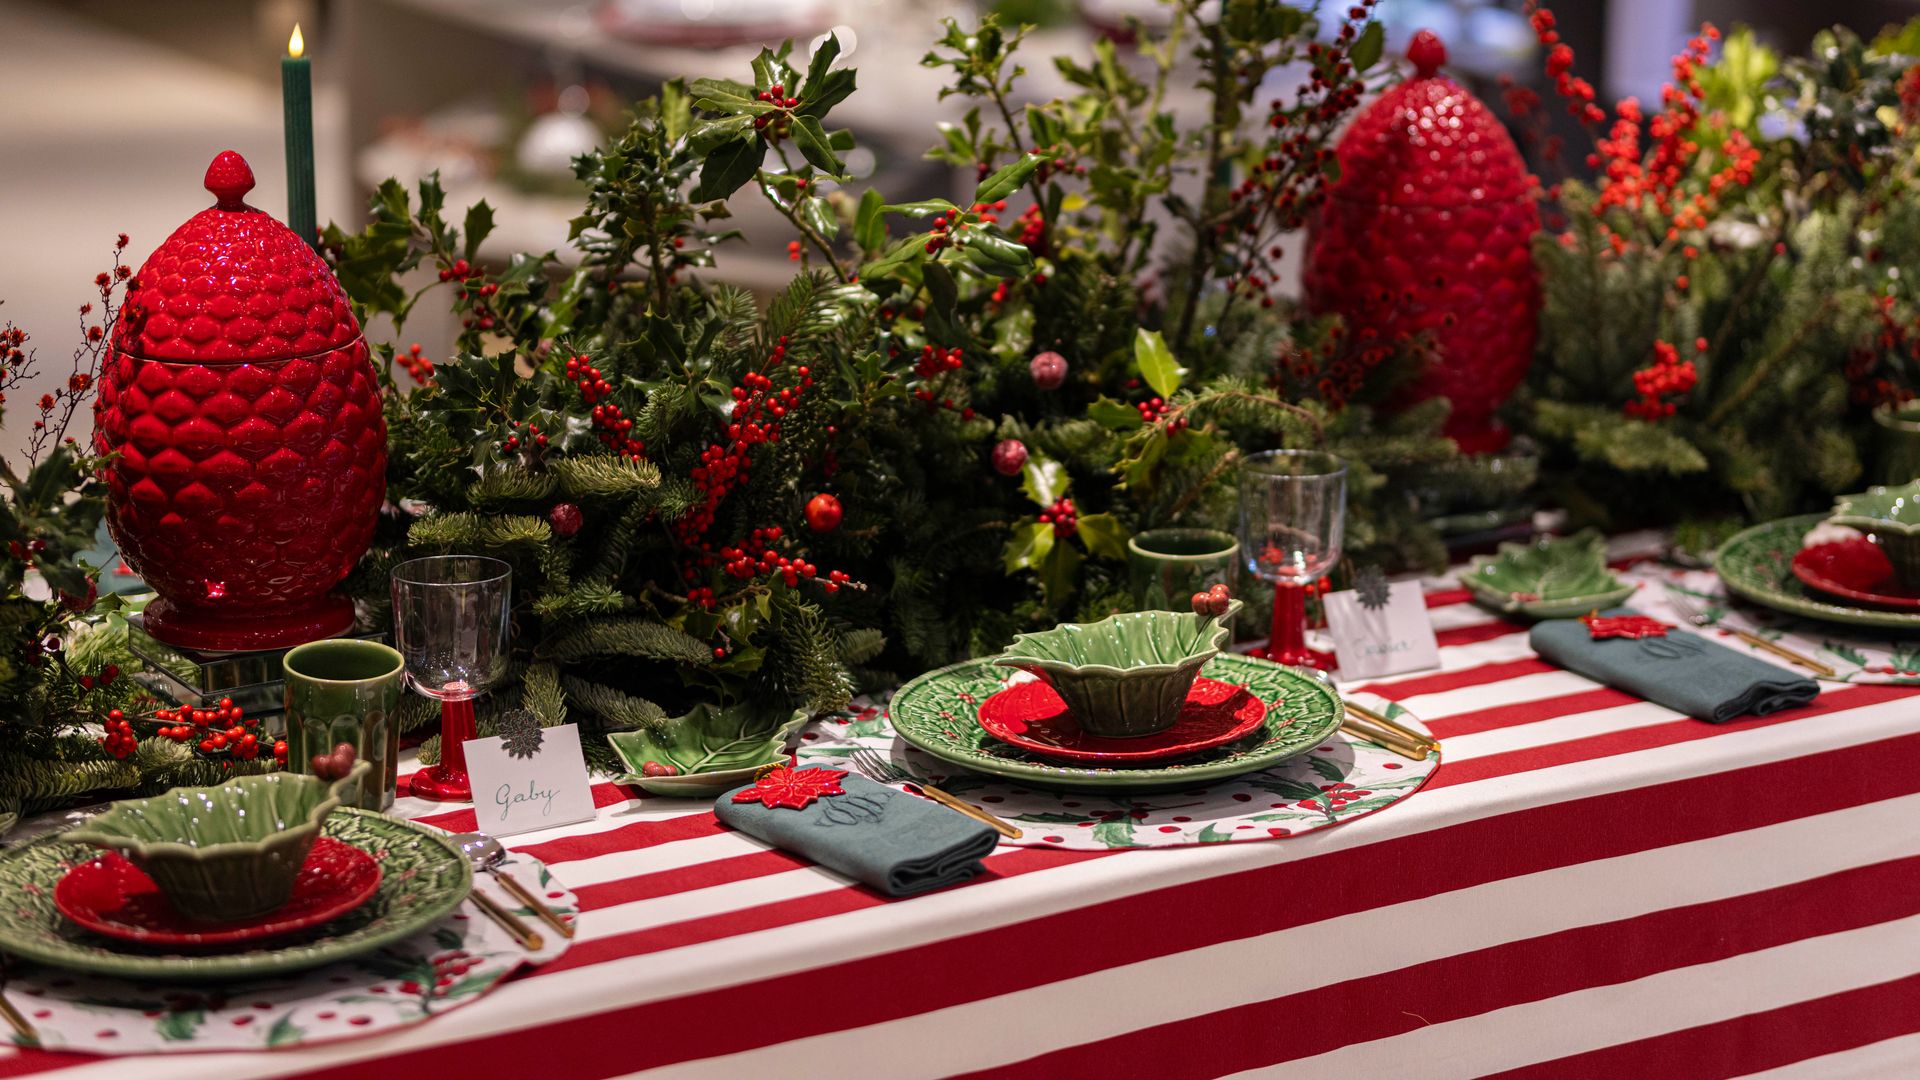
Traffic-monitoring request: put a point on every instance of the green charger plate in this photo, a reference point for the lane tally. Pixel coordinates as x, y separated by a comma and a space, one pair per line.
939, 713
1757, 565
422, 878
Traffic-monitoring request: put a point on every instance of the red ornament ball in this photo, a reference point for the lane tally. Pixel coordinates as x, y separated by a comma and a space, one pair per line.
823, 513
565, 518
1049, 370
1009, 457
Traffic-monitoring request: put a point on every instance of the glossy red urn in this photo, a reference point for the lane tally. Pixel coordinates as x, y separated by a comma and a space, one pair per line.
1430, 228
244, 411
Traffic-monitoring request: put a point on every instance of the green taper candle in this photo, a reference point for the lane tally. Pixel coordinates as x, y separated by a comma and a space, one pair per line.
296, 92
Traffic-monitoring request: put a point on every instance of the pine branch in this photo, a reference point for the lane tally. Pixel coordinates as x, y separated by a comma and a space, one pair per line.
540, 694
604, 476
619, 711
475, 531
626, 637
497, 487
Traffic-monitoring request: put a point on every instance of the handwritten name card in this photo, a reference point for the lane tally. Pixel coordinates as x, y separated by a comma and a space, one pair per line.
1384, 640
520, 794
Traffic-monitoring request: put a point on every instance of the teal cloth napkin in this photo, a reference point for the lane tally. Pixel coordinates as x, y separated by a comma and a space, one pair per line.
1683, 671
897, 843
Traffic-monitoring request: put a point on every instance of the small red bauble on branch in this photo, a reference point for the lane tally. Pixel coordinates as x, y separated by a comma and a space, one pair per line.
565, 518
823, 513
1049, 370
1430, 230
251, 450
1009, 457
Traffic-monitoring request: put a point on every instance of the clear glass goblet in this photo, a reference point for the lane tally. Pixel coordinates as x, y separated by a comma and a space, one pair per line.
450, 623
1293, 512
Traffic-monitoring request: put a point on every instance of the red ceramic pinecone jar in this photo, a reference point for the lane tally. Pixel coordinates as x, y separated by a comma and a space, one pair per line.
1431, 229
252, 451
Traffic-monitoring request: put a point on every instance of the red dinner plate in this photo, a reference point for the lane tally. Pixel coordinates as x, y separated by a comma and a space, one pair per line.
1854, 570
111, 896
1031, 716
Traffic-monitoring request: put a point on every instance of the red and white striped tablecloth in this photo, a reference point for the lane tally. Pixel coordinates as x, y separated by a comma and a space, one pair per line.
1592, 885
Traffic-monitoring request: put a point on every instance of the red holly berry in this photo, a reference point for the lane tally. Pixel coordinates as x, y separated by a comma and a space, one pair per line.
565, 518
1049, 370
823, 513
1009, 457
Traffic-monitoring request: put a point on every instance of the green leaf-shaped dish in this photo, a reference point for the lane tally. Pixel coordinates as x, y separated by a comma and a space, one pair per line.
1550, 578
422, 878
1127, 674
230, 851
1891, 515
713, 749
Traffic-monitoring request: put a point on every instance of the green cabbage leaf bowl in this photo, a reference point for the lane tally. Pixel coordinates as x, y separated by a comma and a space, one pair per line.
230, 851
1127, 674
1891, 515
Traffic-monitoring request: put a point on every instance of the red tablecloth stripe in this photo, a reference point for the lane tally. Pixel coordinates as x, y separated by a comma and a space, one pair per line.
1481, 981
1478, 632
1478, 675
1528, 712
1646, 738
1446, 597
1098, 936
1755, 1042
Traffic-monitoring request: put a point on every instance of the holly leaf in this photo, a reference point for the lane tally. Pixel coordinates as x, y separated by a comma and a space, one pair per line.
1029, 545
942, 295
727, 96
1156, 363
1058, 572
996, 254
1367, 47
711, 134
1115, 834
869, 222
811, 138
478, 224
923, 208
821, 61
728, 169
1114, 415
907, 249
1008, 178
1104, 536
1044, 480
833, 88
819, 216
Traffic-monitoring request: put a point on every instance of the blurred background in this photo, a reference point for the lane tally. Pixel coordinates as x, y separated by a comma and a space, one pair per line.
113, 107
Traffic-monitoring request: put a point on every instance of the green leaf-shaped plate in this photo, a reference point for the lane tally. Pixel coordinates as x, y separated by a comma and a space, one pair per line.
1757, 565
1550, 578
715, 749
422, 878
939, 713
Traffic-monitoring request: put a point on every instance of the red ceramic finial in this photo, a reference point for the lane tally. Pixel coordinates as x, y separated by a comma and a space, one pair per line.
1427, 52
229, 178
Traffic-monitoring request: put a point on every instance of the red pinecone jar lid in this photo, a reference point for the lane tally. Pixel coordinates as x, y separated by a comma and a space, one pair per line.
1428, 142
234, 284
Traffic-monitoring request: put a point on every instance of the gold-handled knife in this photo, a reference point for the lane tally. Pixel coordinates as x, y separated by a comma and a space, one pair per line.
522, 933
533, 903
1385, 721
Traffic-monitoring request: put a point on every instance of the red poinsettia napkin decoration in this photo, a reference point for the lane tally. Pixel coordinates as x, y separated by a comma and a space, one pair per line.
1602, 627
792, 788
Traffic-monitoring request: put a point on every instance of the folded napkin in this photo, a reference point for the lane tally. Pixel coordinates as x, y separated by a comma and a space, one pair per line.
895, 842
1683, 671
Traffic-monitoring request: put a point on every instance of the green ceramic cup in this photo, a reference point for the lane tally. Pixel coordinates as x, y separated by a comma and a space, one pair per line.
1897, 460
342, 690
1170, 565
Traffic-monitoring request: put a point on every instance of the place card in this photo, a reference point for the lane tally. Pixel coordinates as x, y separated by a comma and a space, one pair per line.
519, 792
1387, 637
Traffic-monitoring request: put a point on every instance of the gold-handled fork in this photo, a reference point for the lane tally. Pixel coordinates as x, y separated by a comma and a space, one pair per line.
886, 772
1684, 604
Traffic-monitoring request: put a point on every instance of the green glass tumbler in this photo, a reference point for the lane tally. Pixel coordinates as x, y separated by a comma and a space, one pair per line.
342, 690
1170, 565
1897, 450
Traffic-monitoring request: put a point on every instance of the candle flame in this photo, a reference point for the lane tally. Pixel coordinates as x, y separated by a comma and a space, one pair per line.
296, 45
